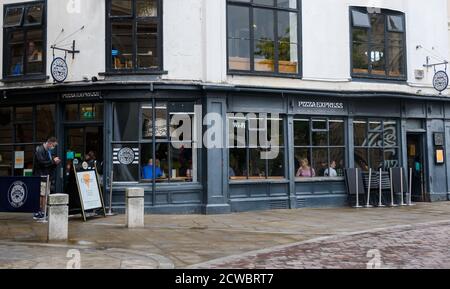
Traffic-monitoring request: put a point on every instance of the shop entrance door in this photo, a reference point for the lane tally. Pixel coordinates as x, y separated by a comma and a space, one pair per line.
416, 162
81, 141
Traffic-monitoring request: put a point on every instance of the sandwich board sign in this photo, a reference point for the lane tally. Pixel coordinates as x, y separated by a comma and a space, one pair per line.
89, 190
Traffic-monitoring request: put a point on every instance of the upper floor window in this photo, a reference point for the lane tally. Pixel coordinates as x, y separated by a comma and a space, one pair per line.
263, 37
378, 43
135, 35
24, 32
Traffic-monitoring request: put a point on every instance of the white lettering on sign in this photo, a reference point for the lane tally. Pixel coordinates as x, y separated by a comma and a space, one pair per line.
318, 104
81, 95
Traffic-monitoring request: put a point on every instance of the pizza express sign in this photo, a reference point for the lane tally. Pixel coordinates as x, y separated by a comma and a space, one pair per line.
321, 105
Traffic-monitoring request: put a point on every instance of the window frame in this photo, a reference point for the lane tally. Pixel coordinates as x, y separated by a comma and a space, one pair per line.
275, 8
134, 20
154, 141
248, 147
25, 29
369, 76
310, 147
383, 148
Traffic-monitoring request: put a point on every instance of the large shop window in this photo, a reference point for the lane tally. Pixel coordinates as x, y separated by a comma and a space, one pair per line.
319, 147
376, 144
22, 128
378, 43
146, 146
135, 40
24, 30
263, 37
256, 152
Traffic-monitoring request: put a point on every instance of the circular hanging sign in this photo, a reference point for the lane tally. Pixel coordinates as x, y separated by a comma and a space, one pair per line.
440, 80
126, 156
59, 69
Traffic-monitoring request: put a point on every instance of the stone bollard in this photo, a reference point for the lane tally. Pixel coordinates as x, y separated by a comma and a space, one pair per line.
58, 217
135, 207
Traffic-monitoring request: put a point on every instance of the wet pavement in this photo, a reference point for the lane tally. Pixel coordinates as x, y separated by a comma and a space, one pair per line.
405, 237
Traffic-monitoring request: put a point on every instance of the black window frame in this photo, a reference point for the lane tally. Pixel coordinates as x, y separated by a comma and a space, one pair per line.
25, 28
310, 147
134, 19
386, 13
381, 131
252, 72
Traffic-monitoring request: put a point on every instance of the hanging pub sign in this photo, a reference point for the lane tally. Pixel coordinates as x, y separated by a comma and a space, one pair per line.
89, 190
59, 69
440, 81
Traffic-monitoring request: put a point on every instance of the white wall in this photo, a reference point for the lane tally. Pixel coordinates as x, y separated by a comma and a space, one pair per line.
194, 42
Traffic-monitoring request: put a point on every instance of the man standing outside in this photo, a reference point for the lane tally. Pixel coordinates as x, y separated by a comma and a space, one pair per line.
45, 164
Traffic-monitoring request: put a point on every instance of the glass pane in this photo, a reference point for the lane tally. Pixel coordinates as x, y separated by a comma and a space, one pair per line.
161, 120
378, 29
287, 4
276, 166
360, 132
45, 122
181, 163
376, 159
147, 45
390, 134
13, 16
162, 156
257, 165
6, 129
361, 160
301, 133
126, 162
278, 135
320, 138
16, 52
391, 159
377, 57
27, 163
122, 45
147, 8
337, 163
319, 124
238, 38
360, 19
34, 52
147, 119
396, 61
238, 164
24, 113
34, 14
375, 125
71, 112
320, 161
337, 133
91, 111
395, 23
302, 163
24, 133
121, 7
263, 25
5, 161
360, 51
126, 121
264, 2
287, 45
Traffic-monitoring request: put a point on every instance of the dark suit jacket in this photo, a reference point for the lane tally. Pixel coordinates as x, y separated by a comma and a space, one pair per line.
43, 164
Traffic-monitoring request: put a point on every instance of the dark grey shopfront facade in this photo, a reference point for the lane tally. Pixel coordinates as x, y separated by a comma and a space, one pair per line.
378, 130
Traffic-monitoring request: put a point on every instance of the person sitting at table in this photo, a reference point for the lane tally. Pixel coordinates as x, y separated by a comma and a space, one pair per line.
147, 171
305, 170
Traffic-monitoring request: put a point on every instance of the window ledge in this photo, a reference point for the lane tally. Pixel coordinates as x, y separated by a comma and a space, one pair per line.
261, 181
12, 79
262, 74
119, 73
319, 179
368, 78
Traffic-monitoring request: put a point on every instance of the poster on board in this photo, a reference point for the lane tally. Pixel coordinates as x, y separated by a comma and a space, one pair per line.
89, 191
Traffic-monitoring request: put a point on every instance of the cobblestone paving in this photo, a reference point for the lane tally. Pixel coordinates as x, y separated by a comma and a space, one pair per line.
418, 247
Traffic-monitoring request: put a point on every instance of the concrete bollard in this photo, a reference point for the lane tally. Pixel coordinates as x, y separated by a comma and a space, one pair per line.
58, 217
135, 207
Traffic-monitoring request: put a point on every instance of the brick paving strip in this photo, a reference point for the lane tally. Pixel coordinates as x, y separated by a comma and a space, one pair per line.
425, 245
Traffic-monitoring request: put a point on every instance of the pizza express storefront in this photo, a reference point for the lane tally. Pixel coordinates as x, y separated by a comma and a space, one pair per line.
129, 132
